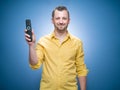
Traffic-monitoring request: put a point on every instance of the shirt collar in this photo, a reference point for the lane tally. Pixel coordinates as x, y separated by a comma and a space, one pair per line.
52, 35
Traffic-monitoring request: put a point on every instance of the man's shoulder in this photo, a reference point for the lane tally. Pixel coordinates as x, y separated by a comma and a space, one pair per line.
75, 38
44, 38
76, 41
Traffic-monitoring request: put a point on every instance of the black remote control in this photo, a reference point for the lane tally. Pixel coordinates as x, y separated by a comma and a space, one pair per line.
29, 28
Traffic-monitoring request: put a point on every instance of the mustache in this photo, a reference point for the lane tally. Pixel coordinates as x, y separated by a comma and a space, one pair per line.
61, 24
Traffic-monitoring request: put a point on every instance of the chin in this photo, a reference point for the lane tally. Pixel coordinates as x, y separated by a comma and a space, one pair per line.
61, 29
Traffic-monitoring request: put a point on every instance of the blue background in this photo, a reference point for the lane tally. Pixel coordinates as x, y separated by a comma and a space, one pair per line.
95, 22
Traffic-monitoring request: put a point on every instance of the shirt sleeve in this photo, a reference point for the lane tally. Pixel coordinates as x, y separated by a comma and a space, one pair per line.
81, 68
40, 55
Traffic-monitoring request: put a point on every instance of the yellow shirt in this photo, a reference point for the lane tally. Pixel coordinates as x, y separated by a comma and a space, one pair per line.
61, 62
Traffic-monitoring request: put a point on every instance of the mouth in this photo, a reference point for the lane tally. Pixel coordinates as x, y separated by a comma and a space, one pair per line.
61, 25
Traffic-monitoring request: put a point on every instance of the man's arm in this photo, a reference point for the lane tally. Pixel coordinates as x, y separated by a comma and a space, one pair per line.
81, 68
32, 53
82, 81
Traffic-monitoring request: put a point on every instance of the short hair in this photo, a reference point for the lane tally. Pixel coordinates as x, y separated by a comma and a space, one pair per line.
60, 8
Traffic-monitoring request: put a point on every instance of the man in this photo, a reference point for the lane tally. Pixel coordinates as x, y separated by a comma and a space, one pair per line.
60, 53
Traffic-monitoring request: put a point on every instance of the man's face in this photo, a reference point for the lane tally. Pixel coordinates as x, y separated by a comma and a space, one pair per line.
60, 20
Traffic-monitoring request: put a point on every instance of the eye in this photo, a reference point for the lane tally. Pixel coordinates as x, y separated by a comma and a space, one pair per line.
64, 18
57, 18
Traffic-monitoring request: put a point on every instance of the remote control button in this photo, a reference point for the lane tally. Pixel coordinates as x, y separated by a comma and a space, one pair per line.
28, 27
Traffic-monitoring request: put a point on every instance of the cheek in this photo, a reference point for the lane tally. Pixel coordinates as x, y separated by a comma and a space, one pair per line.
66, 23
56, 22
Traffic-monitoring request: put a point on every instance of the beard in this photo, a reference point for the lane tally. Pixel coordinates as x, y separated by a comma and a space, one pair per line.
61, 27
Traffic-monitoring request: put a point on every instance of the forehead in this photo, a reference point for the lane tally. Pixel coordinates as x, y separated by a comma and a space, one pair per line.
62, 13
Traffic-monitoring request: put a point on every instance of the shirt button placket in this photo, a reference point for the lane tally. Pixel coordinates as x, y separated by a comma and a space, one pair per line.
59, 67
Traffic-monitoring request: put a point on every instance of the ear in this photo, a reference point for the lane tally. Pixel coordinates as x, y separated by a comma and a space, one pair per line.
52, 20
68, 20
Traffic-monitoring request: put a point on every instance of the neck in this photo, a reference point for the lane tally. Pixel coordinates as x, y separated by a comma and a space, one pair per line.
60, 34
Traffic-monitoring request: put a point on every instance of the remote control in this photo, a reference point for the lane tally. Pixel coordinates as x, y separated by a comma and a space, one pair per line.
29, 28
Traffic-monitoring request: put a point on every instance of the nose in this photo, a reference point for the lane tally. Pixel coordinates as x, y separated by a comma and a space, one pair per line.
61, 21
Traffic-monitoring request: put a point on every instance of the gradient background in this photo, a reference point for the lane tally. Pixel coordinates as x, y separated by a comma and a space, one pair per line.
95, 22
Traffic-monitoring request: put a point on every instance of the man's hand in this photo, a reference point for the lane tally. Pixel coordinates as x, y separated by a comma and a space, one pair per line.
27, 37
